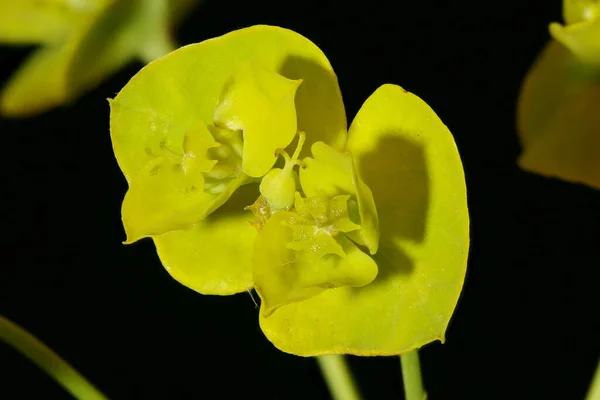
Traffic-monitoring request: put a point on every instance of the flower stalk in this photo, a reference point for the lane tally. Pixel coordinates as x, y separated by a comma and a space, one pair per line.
411, 376
338, 377
45, 358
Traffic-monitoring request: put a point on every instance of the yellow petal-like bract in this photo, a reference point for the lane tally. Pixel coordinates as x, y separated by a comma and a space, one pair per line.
214, 257
575, 11
557, 118
260, 103
287, 268
407, 156
582, 39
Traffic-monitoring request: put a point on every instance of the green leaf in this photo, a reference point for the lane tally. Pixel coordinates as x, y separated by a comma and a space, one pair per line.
294, 260
408, 158
558, 119
182, 89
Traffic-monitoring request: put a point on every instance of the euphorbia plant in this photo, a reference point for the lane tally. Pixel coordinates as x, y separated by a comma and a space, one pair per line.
81, 43
242, 171
558, 119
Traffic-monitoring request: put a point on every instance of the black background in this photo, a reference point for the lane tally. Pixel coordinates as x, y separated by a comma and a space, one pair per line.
526, 326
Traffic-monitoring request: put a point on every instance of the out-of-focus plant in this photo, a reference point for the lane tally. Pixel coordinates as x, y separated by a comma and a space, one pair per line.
242, 171
558, 116
559, 104
81, 43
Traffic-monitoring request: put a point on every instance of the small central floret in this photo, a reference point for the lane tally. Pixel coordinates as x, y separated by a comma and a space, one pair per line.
278, 187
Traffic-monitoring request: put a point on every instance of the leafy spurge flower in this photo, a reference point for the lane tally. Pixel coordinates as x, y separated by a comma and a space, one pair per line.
558, 119
82, 42
242, 170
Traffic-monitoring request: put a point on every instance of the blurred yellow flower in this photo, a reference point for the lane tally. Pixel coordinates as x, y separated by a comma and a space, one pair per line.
558, 118
81, 43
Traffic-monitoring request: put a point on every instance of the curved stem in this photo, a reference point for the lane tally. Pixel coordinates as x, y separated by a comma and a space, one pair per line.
411, 375
338, 377
48, 360
594, 391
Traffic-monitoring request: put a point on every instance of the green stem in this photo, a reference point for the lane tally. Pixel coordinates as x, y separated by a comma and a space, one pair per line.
48, 360
411, 375
594, 391
338, 377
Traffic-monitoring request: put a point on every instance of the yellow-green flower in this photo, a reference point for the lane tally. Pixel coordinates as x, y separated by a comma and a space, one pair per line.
558, 119
81, 42
242, 170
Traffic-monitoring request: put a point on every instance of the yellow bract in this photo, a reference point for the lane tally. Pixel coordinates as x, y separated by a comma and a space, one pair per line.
214, 256
300, 254
575, 11
327, 173
260, 103
169, 192
583, 39
408, 158
558, 120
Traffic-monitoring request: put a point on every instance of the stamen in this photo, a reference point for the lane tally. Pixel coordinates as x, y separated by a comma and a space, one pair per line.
293, 160
284, 154
301, 139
